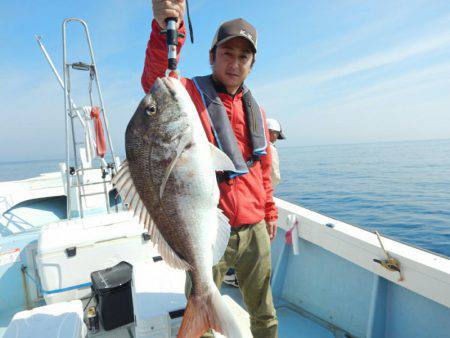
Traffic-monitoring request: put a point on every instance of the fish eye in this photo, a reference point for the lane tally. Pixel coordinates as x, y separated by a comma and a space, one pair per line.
151, 110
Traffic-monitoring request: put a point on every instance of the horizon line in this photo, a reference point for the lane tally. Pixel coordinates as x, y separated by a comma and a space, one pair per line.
279, 147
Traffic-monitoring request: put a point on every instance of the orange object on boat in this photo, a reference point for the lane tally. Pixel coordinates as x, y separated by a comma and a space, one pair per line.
99, 134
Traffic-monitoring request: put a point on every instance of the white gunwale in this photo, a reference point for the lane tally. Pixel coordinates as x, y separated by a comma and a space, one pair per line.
425, 273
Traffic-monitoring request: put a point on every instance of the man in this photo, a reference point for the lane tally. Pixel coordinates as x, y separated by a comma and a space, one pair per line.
275, 133
233, 121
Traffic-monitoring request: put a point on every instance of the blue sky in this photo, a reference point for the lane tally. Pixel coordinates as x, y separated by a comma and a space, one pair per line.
331, 71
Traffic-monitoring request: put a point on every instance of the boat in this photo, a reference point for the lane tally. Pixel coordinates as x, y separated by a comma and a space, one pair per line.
61, 229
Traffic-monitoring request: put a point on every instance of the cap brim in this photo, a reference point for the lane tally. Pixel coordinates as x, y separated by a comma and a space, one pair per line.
237, 36
281, 136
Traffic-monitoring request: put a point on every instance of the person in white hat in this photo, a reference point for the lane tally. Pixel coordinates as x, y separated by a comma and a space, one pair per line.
275, 133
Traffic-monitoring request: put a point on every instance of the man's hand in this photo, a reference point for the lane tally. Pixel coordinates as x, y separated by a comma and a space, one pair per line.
163, 9
271, 229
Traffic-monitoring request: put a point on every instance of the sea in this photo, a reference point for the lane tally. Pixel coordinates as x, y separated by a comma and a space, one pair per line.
401, 189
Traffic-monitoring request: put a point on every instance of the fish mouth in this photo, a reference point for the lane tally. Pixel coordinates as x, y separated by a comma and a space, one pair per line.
165, 84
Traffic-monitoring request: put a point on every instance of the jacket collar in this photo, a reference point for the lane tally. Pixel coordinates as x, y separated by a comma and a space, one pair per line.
220, 88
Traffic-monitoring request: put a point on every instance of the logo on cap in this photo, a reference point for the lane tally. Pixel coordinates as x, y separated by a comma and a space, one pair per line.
247, 34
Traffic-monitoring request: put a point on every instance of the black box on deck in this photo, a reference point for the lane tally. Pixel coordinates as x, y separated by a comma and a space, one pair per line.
112, 290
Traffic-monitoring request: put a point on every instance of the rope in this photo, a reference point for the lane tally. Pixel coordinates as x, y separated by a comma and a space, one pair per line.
389, 263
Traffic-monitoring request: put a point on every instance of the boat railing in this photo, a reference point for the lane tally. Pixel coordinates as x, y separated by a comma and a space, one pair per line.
83, 153
4, 203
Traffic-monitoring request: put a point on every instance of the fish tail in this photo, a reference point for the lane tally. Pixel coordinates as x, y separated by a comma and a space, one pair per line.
206, 312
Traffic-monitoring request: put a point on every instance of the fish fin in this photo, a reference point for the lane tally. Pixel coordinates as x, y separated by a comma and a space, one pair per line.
138, 209
209, 311
123, 171
147, 220
142, 215
220, 242
184, 141
221, 161
131, 196
168, 255
124, 183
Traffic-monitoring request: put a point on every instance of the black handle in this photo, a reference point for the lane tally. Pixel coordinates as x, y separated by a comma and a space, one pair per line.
171, 32
172, 42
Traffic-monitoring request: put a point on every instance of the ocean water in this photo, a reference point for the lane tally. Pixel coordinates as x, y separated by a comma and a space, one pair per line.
401, 189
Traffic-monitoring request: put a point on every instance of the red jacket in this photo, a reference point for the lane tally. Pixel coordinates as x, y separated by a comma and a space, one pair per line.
246, 199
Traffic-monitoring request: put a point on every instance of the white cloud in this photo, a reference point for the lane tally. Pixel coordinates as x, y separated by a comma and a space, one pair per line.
391, 86
409, 50
370, 96
396, 94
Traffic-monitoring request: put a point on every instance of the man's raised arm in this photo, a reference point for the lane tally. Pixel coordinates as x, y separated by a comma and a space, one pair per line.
156, 54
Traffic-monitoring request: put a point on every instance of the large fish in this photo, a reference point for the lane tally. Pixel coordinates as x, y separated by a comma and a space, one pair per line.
169, 181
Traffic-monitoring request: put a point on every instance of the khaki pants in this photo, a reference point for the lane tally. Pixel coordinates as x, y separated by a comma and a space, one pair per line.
248, 252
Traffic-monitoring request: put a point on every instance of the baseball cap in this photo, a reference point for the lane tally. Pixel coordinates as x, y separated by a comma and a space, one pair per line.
235, 28
274, 125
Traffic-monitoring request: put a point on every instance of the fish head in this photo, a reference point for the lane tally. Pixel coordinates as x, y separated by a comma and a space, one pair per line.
161, 105
160, 117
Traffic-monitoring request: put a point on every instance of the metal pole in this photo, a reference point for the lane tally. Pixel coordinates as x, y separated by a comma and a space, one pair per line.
49, 60
86, 30
66, 113
88, 133
74, 144
71, 111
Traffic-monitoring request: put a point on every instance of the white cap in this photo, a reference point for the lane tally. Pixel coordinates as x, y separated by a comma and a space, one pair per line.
274, 125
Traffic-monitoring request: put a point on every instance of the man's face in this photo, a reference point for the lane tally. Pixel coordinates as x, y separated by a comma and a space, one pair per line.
273, 135
233, 62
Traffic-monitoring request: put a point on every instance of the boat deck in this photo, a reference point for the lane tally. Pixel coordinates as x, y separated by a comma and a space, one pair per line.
292, 324
31, 215
5, 318
328, 286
